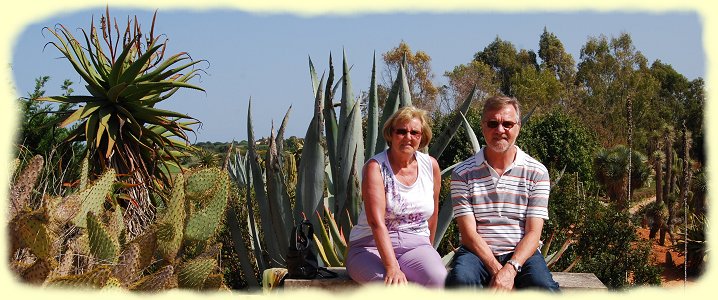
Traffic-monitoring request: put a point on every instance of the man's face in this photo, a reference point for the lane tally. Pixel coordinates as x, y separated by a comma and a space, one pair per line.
500, 128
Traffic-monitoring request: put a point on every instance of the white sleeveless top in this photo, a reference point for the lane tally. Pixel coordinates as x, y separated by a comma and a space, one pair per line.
408, 208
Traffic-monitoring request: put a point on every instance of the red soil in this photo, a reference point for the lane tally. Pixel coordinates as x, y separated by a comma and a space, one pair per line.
672, 274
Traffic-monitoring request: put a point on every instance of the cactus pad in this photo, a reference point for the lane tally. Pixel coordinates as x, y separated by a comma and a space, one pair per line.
194, 273
103, 245
93, 198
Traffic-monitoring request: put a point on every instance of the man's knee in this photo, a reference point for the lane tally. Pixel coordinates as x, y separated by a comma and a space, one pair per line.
536, 275
462, 278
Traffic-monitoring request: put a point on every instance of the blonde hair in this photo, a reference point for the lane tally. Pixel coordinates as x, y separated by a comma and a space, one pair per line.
404, 115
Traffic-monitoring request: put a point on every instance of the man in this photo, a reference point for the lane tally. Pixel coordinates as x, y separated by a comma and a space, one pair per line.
500, 201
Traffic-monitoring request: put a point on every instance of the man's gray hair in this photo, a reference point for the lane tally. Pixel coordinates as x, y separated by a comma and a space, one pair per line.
497, 102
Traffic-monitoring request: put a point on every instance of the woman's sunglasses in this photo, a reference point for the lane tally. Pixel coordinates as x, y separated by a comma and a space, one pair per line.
402, 131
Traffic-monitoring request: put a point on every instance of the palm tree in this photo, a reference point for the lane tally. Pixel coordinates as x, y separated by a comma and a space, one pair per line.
126, 74
612, 172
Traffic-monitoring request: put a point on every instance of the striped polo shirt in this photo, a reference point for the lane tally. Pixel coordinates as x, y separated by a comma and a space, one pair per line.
500, 203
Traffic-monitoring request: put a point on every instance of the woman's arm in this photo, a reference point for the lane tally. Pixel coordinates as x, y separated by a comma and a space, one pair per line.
374, 199
433, 220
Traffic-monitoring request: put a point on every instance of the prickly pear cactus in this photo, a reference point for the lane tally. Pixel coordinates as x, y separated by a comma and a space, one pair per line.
170, 225
21, 189
103, 245
194, 273
96, 278
163, 279
204, 222
29, 230
93, 198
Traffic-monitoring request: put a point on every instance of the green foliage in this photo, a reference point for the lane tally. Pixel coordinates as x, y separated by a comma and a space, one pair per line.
118, 120
611, 169
691, 242
507, 62
560, 141
610, 248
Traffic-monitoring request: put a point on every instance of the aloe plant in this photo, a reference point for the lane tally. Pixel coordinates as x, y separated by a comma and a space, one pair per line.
127, 74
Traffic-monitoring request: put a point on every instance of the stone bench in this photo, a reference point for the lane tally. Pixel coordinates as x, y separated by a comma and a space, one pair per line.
567, 281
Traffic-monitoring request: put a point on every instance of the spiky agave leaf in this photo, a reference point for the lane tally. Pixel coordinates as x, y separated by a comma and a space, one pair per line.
442, 140
278, 198
373, 127
399, 96
271, 239
470, 133
240, 247
310, 174
351, 148
330, 123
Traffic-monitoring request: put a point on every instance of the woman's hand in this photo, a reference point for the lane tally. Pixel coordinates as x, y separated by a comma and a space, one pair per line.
394, 276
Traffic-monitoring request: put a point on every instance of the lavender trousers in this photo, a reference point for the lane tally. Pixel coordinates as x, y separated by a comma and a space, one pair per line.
417, 258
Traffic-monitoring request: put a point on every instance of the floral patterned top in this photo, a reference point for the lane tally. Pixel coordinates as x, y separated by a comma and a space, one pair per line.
408, 207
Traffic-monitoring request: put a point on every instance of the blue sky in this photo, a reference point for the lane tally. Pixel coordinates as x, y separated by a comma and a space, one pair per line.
264, 55
261, 50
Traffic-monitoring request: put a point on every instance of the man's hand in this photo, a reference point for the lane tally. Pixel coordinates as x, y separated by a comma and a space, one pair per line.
504, 279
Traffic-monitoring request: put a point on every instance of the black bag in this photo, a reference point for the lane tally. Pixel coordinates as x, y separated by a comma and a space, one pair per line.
301, 260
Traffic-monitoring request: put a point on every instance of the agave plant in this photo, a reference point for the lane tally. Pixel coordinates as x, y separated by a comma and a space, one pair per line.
327, 185
126, 75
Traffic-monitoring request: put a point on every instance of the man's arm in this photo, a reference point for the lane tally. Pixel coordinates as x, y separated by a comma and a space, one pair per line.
473, 241
504, 279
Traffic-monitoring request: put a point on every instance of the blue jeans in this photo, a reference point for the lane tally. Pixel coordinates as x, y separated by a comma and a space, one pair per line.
468, 271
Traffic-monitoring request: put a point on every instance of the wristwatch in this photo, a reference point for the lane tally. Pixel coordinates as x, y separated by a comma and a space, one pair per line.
515, 264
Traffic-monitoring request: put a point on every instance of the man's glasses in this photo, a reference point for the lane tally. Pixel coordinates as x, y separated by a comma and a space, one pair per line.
506, 124
402, 131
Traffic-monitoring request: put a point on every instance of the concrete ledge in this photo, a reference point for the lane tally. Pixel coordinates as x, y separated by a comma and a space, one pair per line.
567, 281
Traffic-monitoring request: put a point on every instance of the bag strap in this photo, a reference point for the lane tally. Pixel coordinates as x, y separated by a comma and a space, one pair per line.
300, 239
330, 273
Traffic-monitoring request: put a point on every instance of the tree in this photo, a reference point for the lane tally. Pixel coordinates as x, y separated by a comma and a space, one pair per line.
463, 78
610, 71
561, 142
418, 72
506, 62
679, 100
611, 169
560, 64
38, 136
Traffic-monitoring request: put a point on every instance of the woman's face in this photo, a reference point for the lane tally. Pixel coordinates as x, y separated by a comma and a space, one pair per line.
406, 136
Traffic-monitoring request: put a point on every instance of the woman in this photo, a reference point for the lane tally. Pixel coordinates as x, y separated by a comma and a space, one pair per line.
400, 189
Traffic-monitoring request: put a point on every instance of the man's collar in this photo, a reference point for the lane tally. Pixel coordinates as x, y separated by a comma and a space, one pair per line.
519, 160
